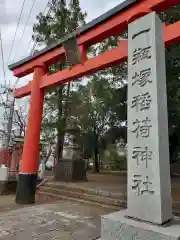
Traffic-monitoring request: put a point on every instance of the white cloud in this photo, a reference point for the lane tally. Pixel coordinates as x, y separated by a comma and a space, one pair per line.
96, 8
9, 14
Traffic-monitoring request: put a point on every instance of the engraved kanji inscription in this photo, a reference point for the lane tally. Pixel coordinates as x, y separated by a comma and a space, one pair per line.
141, 32
142, 78
140, 54
142, 128
142, 185
141, 102
142, 155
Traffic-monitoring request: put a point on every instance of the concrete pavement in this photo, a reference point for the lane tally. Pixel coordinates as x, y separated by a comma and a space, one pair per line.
57, 221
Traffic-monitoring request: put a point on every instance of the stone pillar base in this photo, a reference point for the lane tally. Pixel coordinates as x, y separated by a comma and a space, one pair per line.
71, 170
3, 187
116, 226
3, 180
26, 188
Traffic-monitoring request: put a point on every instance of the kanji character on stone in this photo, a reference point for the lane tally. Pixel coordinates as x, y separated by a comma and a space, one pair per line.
142, 128
142, 155
142, 78
141, 102
146, 184
137, 182
141, 185
141, 54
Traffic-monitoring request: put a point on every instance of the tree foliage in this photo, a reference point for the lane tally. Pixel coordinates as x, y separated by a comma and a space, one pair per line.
173, 84
99, 102
64, 19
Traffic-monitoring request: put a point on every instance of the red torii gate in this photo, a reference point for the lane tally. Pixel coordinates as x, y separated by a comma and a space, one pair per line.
111, 23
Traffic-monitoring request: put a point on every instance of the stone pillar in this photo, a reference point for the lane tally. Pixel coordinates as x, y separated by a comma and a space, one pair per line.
41, 173
4, 174
149, 188
3, 148
71, 167
12, 165
29, 165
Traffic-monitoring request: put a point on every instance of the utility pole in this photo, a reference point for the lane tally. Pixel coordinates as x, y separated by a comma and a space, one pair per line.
6, 116
10, 107
7, 100
2, 58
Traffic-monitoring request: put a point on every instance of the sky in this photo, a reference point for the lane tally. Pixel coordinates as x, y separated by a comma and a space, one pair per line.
9, 14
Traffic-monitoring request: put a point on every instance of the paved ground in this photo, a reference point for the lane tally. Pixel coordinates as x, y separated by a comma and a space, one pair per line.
7, 203
61, 220
57, 221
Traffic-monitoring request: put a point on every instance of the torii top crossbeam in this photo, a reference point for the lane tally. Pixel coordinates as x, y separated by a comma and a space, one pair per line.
110, 24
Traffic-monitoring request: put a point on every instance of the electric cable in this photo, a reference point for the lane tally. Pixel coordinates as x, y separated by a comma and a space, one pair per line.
30, 12
49, 11
50, 5
17, 80
35, 43
16, 30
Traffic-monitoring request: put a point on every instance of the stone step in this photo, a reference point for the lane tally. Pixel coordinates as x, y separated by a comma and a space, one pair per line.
78, 200
85, 196
103, 193
92, 196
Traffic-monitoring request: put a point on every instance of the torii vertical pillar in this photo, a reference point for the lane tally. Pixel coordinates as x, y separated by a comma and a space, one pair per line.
26, 188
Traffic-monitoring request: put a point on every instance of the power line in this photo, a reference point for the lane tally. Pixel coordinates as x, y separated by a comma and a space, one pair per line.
30, 12
33, 48
2, 57
35, 43
16, 30
50, 4
12, 108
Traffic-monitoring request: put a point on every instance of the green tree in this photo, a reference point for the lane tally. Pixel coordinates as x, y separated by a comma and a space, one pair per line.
100, 106
173, 85
64, 19
114, 110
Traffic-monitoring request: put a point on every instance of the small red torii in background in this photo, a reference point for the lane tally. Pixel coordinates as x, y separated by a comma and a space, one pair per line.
109, 24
